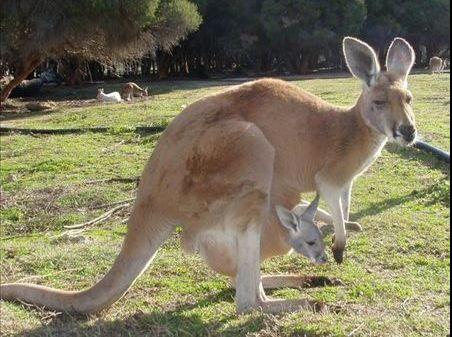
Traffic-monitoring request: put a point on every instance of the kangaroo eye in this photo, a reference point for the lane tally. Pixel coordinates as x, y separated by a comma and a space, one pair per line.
409, 99
311, 243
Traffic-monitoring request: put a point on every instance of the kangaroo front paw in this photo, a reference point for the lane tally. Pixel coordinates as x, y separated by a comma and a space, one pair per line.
338, 251
338, 255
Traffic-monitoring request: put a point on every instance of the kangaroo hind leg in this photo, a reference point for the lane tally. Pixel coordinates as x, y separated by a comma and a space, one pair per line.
250, 292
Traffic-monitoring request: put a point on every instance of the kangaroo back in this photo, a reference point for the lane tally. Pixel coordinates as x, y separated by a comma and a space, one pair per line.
136, 86
144, 236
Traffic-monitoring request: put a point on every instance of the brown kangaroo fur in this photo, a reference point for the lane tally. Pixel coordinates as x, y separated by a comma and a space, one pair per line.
130, 90
225, 163
436, 65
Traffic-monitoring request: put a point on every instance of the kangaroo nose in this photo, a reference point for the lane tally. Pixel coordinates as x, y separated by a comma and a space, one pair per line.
408, 132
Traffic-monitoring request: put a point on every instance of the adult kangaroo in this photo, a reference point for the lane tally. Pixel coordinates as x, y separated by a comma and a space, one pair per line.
225, 163
436, 65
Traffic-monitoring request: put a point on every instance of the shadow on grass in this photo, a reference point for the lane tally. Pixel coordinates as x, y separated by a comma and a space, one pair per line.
381, 206
181, 321
437, 193
424, 158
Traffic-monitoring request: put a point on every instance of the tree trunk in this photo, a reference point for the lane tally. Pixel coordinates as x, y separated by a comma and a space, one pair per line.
304, 66
313, 62
25, 70
163, 65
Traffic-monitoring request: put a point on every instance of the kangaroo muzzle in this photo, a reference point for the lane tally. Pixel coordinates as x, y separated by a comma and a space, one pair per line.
408, 132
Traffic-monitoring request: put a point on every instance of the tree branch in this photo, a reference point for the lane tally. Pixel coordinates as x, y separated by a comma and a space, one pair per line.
26, 70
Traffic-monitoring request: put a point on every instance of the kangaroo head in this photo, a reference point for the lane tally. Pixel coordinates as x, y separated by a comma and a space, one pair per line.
386, 102
145, 91
304, 236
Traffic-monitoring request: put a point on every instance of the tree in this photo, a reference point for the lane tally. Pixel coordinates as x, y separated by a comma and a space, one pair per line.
104, 30
427, 23
303, 29
382, 25
423, 22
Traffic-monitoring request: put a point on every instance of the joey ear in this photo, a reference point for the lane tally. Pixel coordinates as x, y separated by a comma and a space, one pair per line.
287, 218
361, 60
311, 211
400, 58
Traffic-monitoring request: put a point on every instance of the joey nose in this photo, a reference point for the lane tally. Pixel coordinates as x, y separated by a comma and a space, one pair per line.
323, 259
408, 132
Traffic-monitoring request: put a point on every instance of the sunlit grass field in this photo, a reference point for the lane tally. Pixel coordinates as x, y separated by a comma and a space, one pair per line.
396, 272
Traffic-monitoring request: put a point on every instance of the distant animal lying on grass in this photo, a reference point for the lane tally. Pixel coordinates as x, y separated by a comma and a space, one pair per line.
223, 165
111, 97
131, 90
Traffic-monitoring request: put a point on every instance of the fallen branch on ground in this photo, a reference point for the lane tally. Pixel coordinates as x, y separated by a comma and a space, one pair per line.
27, 131
99, 219
112, 180
121, 202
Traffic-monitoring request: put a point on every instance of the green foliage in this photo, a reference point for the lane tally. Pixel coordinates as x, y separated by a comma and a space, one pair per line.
423, 22
302, 35
100, 29
306, 27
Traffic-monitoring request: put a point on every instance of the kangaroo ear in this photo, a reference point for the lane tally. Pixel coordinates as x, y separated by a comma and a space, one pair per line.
287, 218
361, 60
400, 58
311, 211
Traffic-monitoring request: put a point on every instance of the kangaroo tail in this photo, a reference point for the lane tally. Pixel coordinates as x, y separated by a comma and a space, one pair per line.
144, 237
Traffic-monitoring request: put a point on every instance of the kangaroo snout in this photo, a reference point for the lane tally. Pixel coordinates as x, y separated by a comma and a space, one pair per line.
408, 132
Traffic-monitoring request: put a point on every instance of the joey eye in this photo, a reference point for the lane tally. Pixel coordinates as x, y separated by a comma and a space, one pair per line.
310, 243
379, 103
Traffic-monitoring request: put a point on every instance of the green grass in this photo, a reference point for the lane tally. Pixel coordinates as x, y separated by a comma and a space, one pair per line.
396, 272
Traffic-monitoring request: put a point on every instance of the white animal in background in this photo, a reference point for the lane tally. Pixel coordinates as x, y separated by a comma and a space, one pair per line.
111, 97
